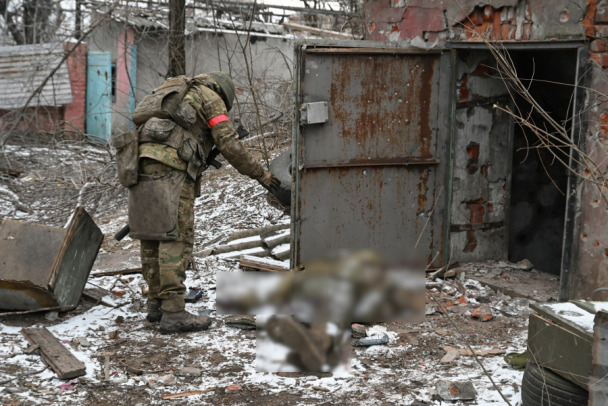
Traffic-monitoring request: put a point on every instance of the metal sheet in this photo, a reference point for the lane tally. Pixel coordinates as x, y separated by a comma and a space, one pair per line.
18, 243
22, 70
75, 258
367, 178
598, 384
44, 266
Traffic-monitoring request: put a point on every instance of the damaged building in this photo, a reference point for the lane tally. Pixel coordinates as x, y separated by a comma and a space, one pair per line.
481, 126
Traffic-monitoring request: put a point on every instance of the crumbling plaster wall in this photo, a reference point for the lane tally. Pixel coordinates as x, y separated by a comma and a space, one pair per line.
440, 20
426, 23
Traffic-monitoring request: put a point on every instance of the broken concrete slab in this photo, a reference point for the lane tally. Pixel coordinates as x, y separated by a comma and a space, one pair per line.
452, 391
188, 371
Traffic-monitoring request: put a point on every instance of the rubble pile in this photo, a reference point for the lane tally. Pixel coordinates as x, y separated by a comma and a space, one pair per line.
125, 358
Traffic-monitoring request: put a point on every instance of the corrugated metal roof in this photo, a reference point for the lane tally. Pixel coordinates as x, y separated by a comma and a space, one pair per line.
157, 19
22, 70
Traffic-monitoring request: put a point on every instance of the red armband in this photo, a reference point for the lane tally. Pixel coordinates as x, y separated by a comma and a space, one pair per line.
217, 120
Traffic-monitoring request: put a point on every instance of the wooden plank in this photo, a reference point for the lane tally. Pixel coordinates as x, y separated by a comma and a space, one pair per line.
120, 272
181, 395
237, 246
237, 235
255, 263
55, 354
274, 239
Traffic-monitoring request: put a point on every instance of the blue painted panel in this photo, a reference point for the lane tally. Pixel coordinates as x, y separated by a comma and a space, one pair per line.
133, 82
99, 94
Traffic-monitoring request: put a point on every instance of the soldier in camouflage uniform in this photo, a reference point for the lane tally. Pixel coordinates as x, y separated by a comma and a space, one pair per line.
164, 262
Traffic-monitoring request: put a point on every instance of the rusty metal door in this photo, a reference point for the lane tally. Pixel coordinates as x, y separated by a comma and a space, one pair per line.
371, 130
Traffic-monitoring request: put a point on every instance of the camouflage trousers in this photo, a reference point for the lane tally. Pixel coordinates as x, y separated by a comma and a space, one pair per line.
164, 262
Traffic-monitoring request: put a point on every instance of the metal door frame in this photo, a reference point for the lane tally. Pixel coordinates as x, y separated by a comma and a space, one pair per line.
579, 127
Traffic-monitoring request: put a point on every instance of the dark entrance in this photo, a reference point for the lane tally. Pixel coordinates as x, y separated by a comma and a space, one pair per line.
539, 180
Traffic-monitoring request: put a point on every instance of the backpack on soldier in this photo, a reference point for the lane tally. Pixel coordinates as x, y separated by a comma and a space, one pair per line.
163, 102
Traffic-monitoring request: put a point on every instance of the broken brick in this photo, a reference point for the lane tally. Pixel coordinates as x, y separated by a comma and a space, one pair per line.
418, 20
599, 46
483, 313
601, 59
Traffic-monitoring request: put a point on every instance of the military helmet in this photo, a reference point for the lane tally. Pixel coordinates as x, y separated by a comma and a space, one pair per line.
226, 84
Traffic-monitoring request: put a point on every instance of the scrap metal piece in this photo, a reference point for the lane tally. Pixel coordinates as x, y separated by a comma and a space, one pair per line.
46, 266
241, 322
372, 340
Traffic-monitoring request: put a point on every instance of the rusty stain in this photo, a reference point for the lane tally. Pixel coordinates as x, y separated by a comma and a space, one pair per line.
596, 244
384, 104
454, 390
422, 192
463, 92
473, 152
584, 237
477, 210
471, 242
565, 17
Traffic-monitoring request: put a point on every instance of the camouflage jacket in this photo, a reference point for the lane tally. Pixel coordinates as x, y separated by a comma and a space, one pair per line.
212, 110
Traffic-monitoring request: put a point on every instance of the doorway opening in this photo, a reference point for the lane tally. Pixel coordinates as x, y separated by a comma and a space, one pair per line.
539, 180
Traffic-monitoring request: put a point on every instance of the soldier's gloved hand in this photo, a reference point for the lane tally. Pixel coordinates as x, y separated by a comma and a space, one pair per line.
270, 182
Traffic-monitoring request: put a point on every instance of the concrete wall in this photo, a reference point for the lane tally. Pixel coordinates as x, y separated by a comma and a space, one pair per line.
434, 22
270, 58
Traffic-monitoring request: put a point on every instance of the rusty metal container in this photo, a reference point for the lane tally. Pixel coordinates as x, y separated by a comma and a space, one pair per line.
44, 266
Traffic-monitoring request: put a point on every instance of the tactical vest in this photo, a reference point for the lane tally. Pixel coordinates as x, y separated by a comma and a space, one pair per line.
164, 118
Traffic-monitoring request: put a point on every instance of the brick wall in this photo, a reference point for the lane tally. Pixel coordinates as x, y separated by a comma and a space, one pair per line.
75, 112
435, 21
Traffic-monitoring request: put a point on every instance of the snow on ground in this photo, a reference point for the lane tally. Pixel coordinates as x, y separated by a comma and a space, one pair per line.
402, 372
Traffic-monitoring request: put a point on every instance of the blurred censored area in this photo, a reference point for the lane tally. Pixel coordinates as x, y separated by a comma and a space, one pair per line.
304, 315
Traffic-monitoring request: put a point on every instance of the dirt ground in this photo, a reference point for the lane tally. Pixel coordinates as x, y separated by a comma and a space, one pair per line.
146, 365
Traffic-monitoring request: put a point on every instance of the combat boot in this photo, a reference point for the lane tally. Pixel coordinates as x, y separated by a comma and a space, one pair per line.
154, 313
309, 348
178, 322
